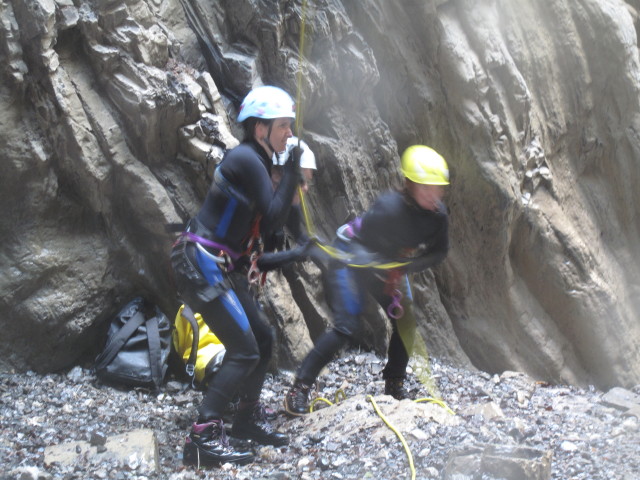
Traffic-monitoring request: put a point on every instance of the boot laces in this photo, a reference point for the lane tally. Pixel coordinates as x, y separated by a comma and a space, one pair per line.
217, 436
260, 418
299, 396
395, 387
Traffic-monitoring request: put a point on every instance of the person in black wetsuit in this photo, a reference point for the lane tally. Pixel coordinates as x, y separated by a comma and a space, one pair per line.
405, 229
211, 260
278, 252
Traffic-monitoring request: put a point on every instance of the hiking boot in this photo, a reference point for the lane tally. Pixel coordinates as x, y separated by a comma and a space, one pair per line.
269, 413
296, 402
207, 445
250, 423
230, 410
395, 388
233, 406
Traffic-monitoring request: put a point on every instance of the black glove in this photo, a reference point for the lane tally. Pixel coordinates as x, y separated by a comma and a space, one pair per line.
363, 257
272, 260
425, 261
293, 162
317, 255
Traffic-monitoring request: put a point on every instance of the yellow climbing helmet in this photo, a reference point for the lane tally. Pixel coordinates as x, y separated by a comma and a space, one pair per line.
422, 164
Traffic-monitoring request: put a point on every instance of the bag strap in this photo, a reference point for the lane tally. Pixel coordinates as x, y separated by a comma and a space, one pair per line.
190, 367
155, 353
118, 340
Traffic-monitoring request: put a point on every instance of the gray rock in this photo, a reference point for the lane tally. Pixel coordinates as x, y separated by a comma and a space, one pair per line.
621, 398
102, 98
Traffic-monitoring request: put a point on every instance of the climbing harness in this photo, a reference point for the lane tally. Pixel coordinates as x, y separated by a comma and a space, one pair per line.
254, 249
395, 309
255, 277
346, 258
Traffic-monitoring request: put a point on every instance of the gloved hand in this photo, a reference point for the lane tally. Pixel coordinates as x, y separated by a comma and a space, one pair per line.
272, 260
363, 257
317, 255
293, 162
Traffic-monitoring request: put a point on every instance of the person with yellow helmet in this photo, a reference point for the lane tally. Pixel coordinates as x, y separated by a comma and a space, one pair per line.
212, 261
407, 229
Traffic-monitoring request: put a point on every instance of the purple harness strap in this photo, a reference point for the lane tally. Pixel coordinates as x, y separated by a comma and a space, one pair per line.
209, 243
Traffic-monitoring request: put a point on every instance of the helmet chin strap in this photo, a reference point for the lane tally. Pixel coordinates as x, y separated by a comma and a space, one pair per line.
268, 137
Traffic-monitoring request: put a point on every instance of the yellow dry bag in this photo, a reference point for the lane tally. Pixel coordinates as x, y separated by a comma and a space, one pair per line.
198, 347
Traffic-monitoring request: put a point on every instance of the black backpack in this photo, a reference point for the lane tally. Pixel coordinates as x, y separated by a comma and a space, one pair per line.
137, 348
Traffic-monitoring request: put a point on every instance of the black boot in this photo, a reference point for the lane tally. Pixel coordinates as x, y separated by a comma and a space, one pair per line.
395, 388
207, 445
232, 409
296, 402
250, 423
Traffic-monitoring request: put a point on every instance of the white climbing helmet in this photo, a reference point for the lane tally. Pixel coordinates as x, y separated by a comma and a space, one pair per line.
308, 159
267, 102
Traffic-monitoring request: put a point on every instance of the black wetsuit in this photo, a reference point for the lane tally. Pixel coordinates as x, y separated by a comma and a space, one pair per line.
240, 194
278, 253
395, 228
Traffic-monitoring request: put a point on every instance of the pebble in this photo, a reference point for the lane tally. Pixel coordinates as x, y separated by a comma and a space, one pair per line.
588, 439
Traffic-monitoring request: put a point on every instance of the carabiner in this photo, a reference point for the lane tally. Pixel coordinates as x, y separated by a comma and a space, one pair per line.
395, 309
253, 275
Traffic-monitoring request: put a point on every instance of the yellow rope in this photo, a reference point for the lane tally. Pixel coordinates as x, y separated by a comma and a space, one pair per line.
338, 396
340, 255
398, 434
437, 402
319, 399
335, 253
341, 395
299, 110
331, 251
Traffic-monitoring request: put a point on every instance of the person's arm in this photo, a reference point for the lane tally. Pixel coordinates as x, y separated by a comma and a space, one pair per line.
436, 251
386, 242
271, 260
295, 226
274, 206
426, 261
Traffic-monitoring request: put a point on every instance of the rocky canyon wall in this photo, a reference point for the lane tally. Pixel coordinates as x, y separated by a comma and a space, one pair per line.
113, 113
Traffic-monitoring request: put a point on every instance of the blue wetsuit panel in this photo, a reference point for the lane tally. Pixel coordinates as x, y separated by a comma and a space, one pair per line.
225, 221
213, 274
232, 304
350, 294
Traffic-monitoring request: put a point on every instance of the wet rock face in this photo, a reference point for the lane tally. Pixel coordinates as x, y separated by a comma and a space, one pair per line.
112, 115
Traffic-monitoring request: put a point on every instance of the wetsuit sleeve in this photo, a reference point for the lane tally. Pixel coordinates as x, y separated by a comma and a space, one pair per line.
273, 260
294, 225
392, 225
255, 181
275, 210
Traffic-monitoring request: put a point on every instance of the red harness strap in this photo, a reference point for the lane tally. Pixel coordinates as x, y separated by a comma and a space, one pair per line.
395, 309
393, 278
254, 234
254, 275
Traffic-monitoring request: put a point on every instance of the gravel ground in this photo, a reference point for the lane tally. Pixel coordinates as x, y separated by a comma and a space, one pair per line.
584, 437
